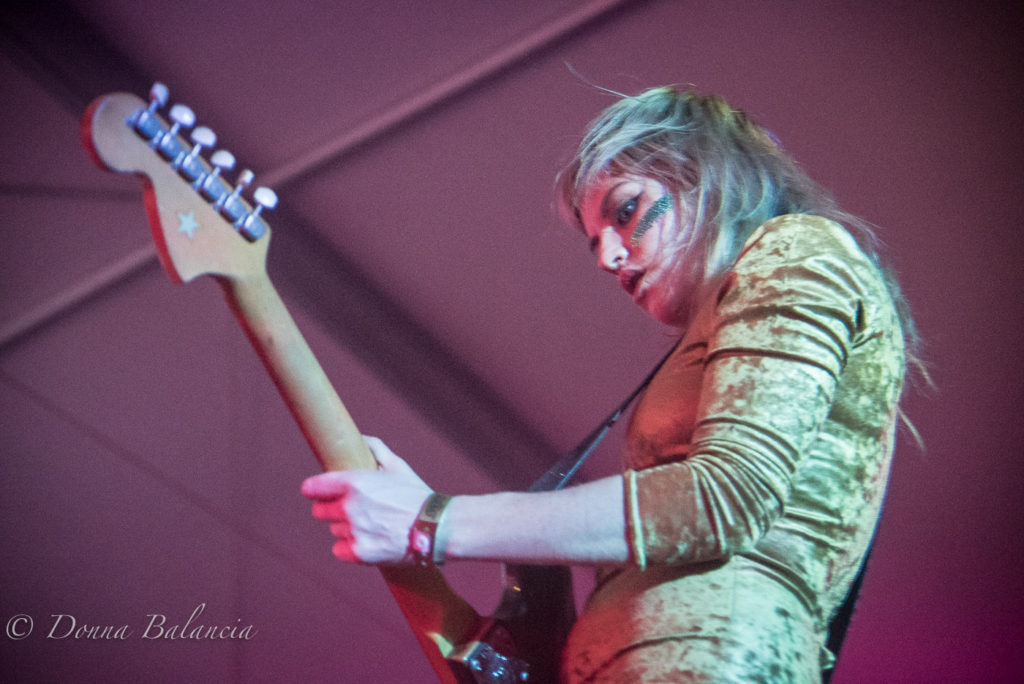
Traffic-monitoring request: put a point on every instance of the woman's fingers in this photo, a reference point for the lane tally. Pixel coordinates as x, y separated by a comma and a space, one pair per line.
326, 485
328, 510
343, 550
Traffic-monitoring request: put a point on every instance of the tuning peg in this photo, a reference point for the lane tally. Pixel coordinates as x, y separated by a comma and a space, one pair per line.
244, 180
251, 226
189, 164
265, 198
167, 144
222, 160
183, 117
158, 95
203, 137
145, 121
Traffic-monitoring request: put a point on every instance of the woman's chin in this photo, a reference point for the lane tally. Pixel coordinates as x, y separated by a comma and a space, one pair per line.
666, 297
667, 312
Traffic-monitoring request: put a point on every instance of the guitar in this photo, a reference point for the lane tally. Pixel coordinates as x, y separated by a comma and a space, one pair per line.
202, 225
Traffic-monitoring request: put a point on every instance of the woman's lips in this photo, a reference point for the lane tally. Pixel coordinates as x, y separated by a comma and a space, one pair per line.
630, 280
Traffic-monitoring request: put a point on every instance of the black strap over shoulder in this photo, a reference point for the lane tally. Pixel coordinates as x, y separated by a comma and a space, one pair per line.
562, 472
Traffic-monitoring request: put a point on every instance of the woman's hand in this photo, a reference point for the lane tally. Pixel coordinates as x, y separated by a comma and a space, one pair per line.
370, 511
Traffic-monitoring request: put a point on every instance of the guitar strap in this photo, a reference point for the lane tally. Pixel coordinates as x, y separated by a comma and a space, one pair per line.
563, 470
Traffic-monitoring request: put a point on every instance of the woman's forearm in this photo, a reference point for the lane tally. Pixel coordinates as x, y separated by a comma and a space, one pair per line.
580, 525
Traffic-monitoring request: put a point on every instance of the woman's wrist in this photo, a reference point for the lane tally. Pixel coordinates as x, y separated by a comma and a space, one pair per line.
428, 536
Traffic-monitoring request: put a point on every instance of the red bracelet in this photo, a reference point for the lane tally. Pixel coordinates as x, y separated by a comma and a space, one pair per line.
423, 547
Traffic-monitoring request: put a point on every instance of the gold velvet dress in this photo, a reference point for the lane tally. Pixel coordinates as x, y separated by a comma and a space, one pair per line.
757, 462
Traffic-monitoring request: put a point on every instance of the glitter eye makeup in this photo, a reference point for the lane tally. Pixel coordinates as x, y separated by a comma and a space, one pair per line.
653, 214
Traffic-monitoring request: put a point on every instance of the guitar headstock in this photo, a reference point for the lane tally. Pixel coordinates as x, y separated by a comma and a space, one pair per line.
200, 222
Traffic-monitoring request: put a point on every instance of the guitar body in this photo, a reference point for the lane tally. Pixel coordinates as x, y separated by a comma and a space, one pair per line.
539, 611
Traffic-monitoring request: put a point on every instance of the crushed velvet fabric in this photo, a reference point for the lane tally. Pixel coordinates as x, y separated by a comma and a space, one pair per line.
756, 467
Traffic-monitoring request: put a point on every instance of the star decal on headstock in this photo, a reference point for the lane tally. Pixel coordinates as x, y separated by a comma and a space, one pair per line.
188, 223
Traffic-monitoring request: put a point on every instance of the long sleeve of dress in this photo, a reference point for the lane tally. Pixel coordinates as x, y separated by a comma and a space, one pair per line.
777, 341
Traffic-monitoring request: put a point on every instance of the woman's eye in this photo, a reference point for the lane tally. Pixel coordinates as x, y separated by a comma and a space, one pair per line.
624, 214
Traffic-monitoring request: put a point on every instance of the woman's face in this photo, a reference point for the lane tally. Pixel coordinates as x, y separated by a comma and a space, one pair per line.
633, 230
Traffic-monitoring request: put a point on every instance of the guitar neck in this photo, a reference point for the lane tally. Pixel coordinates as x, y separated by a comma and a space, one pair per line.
202, 225
440, 619
305, 388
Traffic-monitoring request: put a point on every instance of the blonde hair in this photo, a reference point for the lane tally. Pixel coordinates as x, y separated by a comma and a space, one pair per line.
731, 175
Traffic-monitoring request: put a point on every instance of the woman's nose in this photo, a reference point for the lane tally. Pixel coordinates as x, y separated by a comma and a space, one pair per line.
611, 252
